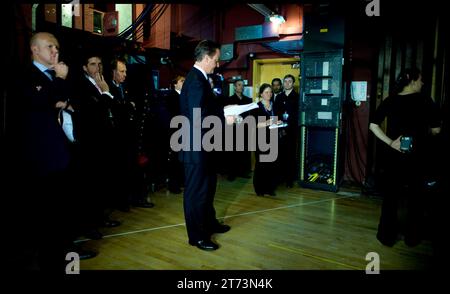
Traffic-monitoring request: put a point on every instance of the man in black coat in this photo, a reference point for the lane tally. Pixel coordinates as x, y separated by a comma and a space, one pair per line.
175, 173
41, 151
125, 133
238, 162
199, 166
286, 107
95, 132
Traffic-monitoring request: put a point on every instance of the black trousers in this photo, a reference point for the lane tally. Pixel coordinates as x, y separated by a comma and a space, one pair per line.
44, 223
199, 191
403, 191
175, 171
288, 153
265, 177
238, 163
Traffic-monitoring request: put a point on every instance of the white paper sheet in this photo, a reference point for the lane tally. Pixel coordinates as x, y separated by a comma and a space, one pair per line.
238, 109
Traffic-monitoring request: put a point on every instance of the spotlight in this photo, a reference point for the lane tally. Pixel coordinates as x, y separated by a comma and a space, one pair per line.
276, 19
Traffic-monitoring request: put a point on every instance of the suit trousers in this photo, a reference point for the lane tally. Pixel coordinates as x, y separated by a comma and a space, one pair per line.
200, 187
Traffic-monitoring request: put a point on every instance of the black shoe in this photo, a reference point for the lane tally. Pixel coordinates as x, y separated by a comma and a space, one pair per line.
246, 176
272, 193
82, 253
175, 190
111, 223
144, 204
94, 234
221, 229
412, 240
207, 245
124, 208
289, 185
231, 178
386, 241
86, 254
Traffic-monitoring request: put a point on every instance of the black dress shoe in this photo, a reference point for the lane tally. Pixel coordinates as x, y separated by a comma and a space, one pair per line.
94, 234
82, 253
124, 208
144, 204
246, 176
386, 241
207, 245
86, 254
175, 190
221, 229
412, 240
111, 223
272, 193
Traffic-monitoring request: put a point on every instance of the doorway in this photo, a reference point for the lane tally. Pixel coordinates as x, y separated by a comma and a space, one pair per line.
264, 70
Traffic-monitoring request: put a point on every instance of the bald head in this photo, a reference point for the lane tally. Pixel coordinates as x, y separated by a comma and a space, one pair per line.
44, 48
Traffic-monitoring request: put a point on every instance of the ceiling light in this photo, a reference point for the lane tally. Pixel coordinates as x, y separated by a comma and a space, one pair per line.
276, 19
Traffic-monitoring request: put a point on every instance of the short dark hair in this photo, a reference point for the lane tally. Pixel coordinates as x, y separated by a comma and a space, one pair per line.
289, 76
88, 55
276, 80
115, 61
176, 79
205, 47
263, 87
405, 77
237, 80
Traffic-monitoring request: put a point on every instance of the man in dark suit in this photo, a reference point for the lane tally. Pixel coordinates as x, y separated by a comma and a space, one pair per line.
175, 173
42, 160
125, 134
95, 132
277, 88
286, 107
238, 162
199, 167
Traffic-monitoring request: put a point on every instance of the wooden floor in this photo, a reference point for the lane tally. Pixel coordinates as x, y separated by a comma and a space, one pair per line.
297, 229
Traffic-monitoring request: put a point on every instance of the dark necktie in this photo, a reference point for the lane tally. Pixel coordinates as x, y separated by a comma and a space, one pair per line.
52, 73
121, 92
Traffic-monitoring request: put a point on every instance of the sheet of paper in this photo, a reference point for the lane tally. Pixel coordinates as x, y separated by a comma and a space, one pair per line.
238, 109
359, 91
283, 125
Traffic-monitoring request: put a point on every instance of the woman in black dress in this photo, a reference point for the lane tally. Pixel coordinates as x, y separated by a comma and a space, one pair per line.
264, 178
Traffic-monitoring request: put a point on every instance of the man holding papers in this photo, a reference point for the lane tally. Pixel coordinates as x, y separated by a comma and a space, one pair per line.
199, 165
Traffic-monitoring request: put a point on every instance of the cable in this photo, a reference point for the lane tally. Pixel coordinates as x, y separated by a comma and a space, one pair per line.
162, 10
129, 30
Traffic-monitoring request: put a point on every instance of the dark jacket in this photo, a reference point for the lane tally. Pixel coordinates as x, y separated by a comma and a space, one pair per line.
36, 135
94, 122
197, 93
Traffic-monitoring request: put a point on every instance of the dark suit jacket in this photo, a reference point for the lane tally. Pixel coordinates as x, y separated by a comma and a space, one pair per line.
290, 104
122, 109
197, 93
38, 140
173, 103
94, 122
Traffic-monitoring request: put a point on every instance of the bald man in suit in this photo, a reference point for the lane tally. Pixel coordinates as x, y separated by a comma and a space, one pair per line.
42, 157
